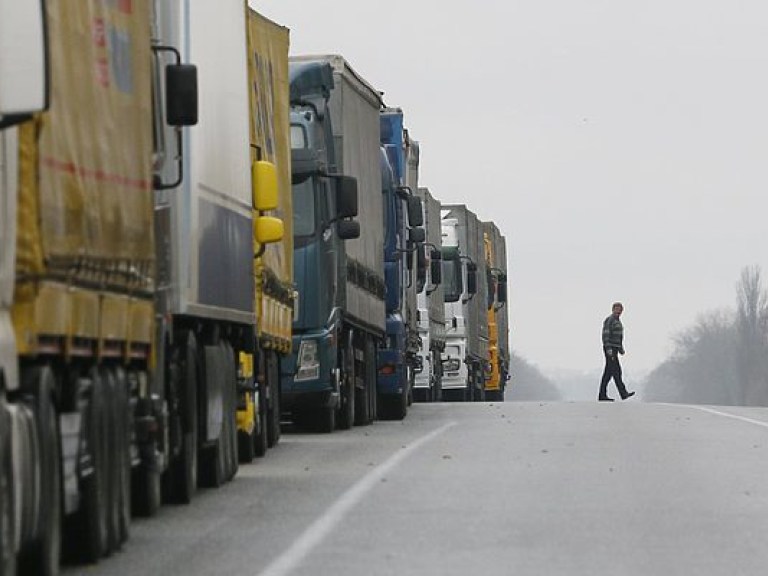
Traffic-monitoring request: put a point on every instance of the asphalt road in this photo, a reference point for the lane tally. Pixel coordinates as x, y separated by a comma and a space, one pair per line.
484, 489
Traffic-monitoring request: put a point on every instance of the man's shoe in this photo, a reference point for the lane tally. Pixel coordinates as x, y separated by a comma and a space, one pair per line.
628, 395
606, 399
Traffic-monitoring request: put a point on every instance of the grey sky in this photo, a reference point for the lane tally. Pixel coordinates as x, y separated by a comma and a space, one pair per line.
621, 146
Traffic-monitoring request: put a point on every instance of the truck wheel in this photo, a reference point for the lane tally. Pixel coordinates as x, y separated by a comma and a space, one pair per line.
145, 478
7, 525
260, 432
372, 380
347, 405
211, 458
393, 407
273, 416
325, 420
183, 468
90, 530
43, 555
244, 447
364, 402
111, 448
230, 414
145, 491
124, 460
210, 468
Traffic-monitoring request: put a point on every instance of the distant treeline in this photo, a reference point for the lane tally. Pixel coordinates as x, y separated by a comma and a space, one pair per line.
723, 358
528, 383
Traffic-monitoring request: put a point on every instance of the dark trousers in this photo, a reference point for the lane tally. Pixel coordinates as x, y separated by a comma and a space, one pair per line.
612, 370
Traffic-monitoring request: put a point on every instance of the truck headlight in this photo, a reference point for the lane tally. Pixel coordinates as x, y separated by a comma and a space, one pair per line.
308, 362
451, 365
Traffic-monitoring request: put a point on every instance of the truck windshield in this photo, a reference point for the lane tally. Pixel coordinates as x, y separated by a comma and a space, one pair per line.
303, 208
452, 284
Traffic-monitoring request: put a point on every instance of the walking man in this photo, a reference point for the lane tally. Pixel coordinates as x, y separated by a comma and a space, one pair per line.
613, 345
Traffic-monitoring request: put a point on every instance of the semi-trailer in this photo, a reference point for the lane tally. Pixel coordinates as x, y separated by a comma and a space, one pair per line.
126, 268
78, 277
403, 236
259, 412
465, 358
431, 307
496, 281
339, 320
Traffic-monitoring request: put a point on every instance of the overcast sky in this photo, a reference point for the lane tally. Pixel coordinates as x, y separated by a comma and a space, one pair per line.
621, 147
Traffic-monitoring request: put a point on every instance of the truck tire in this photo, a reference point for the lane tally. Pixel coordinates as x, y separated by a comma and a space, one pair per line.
211, 470
43, 554
346, 414
124, 460
393, 407
325, 420
111, 448
273, 415
183, 469
89, 533
364, 413
244, 447
260, 439
230, 413
7, 525
146, 479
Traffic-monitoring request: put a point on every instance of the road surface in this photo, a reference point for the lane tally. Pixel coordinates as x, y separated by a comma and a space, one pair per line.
484, 489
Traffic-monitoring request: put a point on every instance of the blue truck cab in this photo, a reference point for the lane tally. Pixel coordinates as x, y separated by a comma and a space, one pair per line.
324, 203
403, 236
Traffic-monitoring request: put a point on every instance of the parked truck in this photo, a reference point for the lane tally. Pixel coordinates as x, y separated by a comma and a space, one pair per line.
126, 266
77, 347
403, 236
431, 307
259, 411
465, 358
339, 320
496, 281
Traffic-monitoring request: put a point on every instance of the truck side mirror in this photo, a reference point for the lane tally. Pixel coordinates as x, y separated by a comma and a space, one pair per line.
502, 294
24, 63
415, 213
436, 272
421, 269
346, 197
417, 235
268, 229
471, 279
181, 94
348, 229
264, 183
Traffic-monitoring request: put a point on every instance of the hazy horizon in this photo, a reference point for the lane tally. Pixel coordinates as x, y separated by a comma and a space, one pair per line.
620, 147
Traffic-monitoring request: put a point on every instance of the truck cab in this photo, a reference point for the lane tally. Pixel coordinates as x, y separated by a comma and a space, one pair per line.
324, 205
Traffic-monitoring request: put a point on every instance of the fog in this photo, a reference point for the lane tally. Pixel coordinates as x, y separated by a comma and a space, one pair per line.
620, 146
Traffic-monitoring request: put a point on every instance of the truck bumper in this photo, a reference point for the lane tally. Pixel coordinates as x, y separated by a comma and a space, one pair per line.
320, 391
391, 377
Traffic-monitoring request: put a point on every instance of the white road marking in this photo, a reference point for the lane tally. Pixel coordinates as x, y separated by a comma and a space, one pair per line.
324, 525
727, 415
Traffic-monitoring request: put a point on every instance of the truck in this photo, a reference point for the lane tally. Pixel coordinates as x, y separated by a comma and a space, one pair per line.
431, 307
403, 236
77, 352
126, 269
498, 333
211, 228
259, 413
339, 314
465, 360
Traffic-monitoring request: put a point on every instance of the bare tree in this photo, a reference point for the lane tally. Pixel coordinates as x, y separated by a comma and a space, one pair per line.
723, 358
528, 383
752, 329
